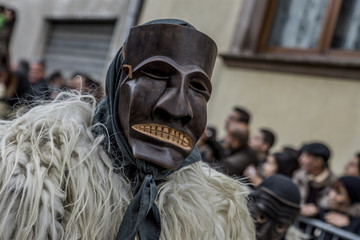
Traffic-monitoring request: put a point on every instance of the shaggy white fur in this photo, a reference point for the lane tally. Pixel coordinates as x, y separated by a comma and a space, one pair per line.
198, 202
56, 182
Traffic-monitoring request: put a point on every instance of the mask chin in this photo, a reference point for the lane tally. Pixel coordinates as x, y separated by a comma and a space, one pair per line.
162, 156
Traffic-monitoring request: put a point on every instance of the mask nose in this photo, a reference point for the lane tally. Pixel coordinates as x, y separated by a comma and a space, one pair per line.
174, 103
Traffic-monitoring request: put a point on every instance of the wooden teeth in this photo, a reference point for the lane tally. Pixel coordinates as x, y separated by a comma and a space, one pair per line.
165, 134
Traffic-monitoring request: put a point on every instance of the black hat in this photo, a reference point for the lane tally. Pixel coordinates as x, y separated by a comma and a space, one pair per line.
282, 188
352, 183
317, 149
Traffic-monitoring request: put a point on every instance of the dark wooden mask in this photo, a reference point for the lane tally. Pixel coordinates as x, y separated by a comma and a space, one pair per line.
163, 95
273, 214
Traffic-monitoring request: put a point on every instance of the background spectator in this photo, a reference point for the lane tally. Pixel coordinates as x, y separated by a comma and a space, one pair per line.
314, 178
57, 83
22, 66
261, 142
8, 84
40, 89
7, 21
23, 90
238, 114
238, 156
283, 163
344, 193
86, 85
8, 81
352, 168
209, 148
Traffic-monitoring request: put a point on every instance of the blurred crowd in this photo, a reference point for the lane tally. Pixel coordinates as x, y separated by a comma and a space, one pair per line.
249, 157
24, 83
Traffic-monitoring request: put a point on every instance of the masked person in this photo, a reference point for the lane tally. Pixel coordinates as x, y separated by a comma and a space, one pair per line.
130, 169
276, 204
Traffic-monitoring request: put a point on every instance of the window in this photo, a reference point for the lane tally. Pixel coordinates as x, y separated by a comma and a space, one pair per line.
78, 46
319, 37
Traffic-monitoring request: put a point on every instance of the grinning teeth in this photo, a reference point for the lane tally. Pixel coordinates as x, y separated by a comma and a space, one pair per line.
147, 129
165, 134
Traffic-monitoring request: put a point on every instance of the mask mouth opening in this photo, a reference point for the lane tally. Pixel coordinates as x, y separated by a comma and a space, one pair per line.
166, 134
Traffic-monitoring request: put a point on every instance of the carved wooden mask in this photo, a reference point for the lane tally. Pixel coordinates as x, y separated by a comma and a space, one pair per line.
273, 214
163, 96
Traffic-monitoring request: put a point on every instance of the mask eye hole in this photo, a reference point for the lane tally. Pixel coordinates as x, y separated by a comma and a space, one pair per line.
196, 85
156, 74
261, 218
280, 228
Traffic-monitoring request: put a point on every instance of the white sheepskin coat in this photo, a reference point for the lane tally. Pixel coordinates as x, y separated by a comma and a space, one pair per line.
56, 182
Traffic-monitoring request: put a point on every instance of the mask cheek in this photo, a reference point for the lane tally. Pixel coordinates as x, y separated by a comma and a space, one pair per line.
137, 98
124, 109
199, 122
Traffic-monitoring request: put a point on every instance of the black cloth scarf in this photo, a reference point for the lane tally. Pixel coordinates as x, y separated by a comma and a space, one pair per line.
142, 216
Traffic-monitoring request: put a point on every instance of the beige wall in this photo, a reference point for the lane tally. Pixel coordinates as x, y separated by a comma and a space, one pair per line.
298, 107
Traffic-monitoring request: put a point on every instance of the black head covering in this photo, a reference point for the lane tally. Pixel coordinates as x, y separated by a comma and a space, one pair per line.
352, 185
142, 215
317, 149
282, 188
287, 163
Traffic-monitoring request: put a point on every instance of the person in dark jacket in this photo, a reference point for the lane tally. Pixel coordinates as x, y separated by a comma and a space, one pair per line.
40, 88
237, 154
343, 195
352, 167
314, 178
